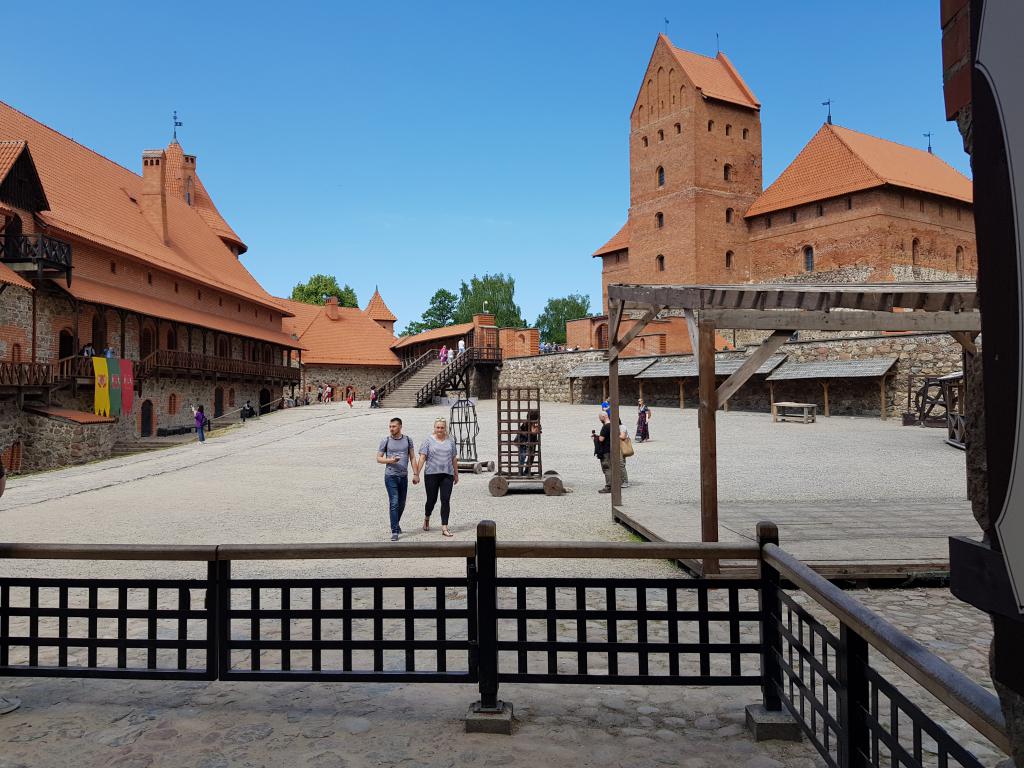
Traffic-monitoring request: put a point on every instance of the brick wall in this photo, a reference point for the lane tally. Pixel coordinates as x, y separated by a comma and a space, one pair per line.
519, 342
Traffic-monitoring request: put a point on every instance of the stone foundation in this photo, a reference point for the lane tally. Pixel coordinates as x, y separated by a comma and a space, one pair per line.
361, 377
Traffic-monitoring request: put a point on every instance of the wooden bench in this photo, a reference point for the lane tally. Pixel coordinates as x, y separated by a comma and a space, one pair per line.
808, 412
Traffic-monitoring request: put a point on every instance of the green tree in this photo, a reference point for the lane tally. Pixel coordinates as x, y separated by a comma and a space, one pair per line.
439, 313
557, 312
314, 290
498, 291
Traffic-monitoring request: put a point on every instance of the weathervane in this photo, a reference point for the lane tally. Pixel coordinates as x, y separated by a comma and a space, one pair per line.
177, 125
929, 137
666, 27
828, 103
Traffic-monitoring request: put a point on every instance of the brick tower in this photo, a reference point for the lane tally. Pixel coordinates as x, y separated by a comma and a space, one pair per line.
695, 168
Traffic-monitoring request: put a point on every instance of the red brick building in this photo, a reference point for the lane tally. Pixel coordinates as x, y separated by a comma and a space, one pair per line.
850, 207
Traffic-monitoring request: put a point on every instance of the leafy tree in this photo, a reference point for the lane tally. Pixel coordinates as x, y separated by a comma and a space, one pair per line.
498, 291
317, 287
551, 321
438, 314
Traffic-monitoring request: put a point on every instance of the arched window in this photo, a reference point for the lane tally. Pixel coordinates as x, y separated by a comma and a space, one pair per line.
99, 331
149, 278
660, 263
146, 345
113, 267
644, 140
808, 259
172, 404
727, 172
172, 339
921, 205
728, 129
728, 259
659, 220
746, 132
711, 125
661, 135
959, 258
679, 128
849, 203
792, 216
223, 347
767, 222
915, 251
231, 397
821, 209
661, 176
728, 215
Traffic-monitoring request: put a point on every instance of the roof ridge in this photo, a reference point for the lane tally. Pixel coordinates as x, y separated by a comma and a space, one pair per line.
735, 75
888, 141
65, 136
832, 130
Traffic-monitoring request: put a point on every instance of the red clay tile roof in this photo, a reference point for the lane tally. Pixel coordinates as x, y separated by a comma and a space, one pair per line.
79, 417
716, 78
377, 309
10, 277
9, 152
352, 339
619, 241
174, 178
113, 296
95, 199
837, 161
446, 332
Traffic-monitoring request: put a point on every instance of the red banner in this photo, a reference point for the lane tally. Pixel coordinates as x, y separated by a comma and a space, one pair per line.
127, 387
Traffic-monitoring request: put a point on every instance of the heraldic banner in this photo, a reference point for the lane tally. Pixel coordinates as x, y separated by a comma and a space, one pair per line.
127, 387
114, 376
101, 400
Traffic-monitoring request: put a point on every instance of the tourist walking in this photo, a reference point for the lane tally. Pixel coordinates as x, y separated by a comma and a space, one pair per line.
397, 451
462, 346
350, 394
373, 396
443, 354
198, 412
439, 462
643, 419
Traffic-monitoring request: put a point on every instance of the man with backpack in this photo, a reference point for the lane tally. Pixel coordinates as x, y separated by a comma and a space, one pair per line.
396, 451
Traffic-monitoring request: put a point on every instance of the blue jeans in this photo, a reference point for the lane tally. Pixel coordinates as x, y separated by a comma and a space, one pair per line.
398, 487
199, 431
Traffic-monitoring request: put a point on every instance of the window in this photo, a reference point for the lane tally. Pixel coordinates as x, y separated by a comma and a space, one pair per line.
188, 191
239, 306
175, 287
808, 259
660, 263
679, 128
727, 172
149, 278
746, 132
199, 295
959, 258
220, 301
172, 404
644, 140
711, 125
728, 259
659, 220
728, 129
767, 222
661, 135
942, 210
903, 202
172, 339
113, 267
915, 251
849, 203
920, 205
661, 176
792, 216
821, 209
958, 214
728, 215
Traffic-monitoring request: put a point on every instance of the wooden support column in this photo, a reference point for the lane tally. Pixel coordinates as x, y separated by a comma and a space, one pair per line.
34, 327
78, 309
570, 390
604, 385
615, 449
640, 386
771, 400
708, 444
824, 391
682, 395
881, 388
123, 332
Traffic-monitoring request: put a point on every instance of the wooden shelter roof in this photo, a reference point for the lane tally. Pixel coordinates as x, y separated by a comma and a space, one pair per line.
725, 365
598, 369
834, 369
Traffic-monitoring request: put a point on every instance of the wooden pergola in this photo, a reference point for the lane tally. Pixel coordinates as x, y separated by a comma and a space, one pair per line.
781, 309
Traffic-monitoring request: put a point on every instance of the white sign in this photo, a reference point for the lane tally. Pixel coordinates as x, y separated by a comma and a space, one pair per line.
1001, 61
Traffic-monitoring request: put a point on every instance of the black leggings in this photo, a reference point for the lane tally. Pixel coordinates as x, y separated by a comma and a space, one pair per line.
439, 482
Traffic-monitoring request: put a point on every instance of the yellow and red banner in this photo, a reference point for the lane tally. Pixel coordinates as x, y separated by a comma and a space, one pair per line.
101, 400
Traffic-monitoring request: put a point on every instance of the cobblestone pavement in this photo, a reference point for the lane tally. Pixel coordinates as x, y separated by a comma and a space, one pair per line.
308, 475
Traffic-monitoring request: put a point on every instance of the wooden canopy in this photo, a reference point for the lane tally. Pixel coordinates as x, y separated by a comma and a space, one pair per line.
781, 308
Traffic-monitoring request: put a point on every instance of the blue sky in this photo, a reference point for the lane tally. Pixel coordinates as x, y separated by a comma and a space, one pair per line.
412, 145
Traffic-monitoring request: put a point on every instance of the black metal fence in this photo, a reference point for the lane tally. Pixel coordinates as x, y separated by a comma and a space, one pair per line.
485, 629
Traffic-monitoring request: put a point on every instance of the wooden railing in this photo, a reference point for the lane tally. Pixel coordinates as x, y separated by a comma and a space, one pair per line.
196, 361
76, 367
403, 375
25, 374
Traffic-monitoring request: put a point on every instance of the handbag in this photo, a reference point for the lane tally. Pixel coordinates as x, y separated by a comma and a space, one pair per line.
627, 447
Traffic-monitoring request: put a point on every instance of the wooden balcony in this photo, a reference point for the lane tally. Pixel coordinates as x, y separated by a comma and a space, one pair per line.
25, 375
178, 363
37, 256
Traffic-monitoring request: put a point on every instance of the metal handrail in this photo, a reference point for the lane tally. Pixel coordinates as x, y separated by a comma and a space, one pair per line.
978, 707
455, 367
403, 375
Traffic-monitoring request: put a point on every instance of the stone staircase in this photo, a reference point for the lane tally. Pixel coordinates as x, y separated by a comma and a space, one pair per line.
405, 395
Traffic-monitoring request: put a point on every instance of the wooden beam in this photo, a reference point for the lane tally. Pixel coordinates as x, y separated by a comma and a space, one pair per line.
682, 395
691, 328
853, 320
824, 390
708, 444
615, 310
682, 297
966, 341
615, 349
768, 347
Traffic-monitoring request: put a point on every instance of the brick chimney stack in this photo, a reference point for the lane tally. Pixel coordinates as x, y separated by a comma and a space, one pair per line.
154, 194
332, 307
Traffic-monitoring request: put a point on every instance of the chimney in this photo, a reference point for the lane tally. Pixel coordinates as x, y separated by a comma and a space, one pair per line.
154, 195
332, 307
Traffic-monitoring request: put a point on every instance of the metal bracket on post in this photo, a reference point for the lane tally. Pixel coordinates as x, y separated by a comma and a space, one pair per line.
490, 714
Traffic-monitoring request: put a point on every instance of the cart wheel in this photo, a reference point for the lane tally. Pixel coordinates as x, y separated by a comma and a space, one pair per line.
550, 472
477, 467
498, 486
553, 486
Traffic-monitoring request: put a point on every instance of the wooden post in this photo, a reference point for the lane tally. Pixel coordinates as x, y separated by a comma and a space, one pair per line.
604, 387
771, 400
570, 391
616, 446
122, 314
640, 385
824, 387
682, 395
881, 387
708, 445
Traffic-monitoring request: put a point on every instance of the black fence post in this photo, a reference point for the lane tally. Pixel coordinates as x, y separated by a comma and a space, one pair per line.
771, 632
224, 619
489, 715
854, 734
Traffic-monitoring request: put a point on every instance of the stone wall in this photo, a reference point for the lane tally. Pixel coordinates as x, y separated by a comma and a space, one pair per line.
51, 442
549, 372
362, 377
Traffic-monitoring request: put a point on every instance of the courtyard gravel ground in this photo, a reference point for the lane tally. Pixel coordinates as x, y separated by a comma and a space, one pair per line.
308, 475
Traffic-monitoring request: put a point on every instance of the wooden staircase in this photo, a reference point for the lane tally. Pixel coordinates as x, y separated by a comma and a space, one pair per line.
404, 396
